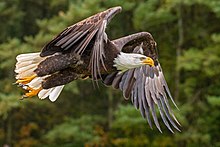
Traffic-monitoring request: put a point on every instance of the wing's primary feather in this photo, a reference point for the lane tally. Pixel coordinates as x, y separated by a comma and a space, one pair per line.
146, 93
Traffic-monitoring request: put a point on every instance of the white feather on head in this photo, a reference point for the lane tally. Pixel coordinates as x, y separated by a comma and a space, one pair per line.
126, 61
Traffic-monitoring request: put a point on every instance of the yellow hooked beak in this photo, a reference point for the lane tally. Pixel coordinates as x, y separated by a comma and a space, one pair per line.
148, 61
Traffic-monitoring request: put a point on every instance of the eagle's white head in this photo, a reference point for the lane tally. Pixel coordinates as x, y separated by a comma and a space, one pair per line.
126, 61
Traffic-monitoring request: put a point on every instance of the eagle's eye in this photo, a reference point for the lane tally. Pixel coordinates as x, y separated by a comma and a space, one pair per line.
142, 58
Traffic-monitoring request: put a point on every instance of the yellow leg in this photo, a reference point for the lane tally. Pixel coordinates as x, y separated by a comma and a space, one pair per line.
26, 79
32, 92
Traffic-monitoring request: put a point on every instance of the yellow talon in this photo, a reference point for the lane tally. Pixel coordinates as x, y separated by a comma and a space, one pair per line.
26, 80
32, 92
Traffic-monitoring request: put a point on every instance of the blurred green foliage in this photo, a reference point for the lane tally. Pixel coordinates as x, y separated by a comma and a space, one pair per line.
188, 37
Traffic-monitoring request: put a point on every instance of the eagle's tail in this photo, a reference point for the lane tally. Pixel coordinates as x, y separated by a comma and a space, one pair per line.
26, 64
28, 80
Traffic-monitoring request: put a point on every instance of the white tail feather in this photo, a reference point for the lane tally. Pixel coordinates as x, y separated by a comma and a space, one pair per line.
22, 64
44, 93
28, 56
25, 68
36, 82
55, 93
25, 74
26, 64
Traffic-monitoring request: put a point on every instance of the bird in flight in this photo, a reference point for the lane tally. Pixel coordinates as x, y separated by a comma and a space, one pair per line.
84, 50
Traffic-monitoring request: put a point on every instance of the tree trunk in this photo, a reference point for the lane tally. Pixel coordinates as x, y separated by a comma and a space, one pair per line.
179, 48
110, 108
7, 131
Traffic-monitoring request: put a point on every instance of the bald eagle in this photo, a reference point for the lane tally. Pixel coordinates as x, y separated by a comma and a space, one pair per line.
84, 50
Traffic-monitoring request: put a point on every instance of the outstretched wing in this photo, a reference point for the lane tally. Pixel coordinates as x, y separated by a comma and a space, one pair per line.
146, 85
89, 35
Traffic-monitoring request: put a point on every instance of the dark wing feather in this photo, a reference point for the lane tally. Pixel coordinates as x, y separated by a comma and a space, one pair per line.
89, 35
70, 38
147, 92
146, 85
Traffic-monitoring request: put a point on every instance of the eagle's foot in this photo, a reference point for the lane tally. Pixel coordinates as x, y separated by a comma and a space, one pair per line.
26, 79
31, 92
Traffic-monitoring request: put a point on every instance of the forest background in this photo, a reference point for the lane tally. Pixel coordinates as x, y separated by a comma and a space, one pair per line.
187, 33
